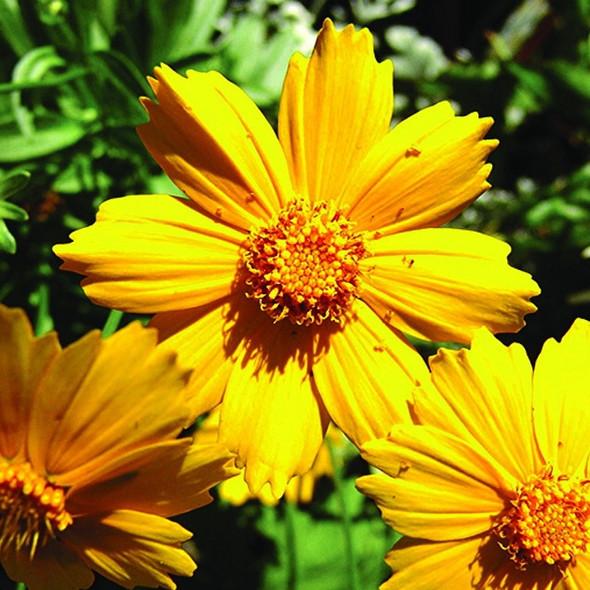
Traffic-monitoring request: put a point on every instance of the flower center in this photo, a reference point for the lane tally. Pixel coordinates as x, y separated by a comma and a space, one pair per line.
548, 521
31, 509
304, 265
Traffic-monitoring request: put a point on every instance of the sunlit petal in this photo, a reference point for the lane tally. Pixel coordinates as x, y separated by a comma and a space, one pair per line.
470, 386
335, 106
423, 173
215, 144
271, 416
153, 253
441, 493
367, 376
561, 415
442, 284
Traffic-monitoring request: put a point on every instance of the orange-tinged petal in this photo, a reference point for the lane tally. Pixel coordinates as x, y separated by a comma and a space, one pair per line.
23, 360
484, 396
442, 284
166, 479
215, 144
131, 548
270, 415
334, 108
367, 376
424, 565
54, 567
422, 174
562, 417
439, 487
92, 405
149, 253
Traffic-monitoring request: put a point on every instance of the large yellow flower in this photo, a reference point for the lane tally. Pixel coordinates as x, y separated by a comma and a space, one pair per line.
289, 274
90, 466
493, 488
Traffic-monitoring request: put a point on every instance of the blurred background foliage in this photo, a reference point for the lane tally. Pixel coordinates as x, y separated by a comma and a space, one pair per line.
70, 75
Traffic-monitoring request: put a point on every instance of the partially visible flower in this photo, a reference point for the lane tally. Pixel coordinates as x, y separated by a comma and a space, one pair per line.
287, 277
301, 487
90, 466
492, 489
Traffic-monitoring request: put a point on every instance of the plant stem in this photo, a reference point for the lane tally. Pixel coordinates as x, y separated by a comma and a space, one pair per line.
353, 581
291, 537
112, 323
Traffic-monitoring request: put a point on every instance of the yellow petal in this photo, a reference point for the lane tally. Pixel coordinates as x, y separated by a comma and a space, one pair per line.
215, 144
335, 106
367, 376
439, 488
54, 567
270, 415
425, 565
23, 361
562, 412
104, 396
206, 340
131, 548
442, 284
478, 562
149, 253
166, 479
484, 396
579, 575
422, 174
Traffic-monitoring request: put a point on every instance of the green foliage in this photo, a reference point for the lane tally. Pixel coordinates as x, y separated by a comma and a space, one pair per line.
70, 75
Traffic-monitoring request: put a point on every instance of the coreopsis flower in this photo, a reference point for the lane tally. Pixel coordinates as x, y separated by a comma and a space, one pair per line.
492, 489
288, 275
90, 466
299, 490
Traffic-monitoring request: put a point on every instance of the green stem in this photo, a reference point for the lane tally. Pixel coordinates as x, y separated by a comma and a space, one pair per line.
349, 552
112, 323
20, 586
291, 535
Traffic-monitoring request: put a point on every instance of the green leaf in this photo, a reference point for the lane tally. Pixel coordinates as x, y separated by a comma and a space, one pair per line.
7, 241
311, 549
12, 211
51, 135
13, 27
182, 28
13, 183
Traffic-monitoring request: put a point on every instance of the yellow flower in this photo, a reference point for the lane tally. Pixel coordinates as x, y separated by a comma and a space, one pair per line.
492, 489
300, 489
287, 277
90, 466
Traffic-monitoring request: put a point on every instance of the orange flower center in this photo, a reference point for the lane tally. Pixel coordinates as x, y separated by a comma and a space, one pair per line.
31, 509
304, 265
548, 521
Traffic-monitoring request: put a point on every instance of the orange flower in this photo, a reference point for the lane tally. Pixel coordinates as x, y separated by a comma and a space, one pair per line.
492, 489
287, 277
90, 466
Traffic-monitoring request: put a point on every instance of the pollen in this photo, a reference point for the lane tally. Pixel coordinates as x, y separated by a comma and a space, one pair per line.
31, 509
549, 522
304, 265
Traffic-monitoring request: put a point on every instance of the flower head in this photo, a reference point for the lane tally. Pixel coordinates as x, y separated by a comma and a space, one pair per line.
492, 488
287, 277
90, 466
